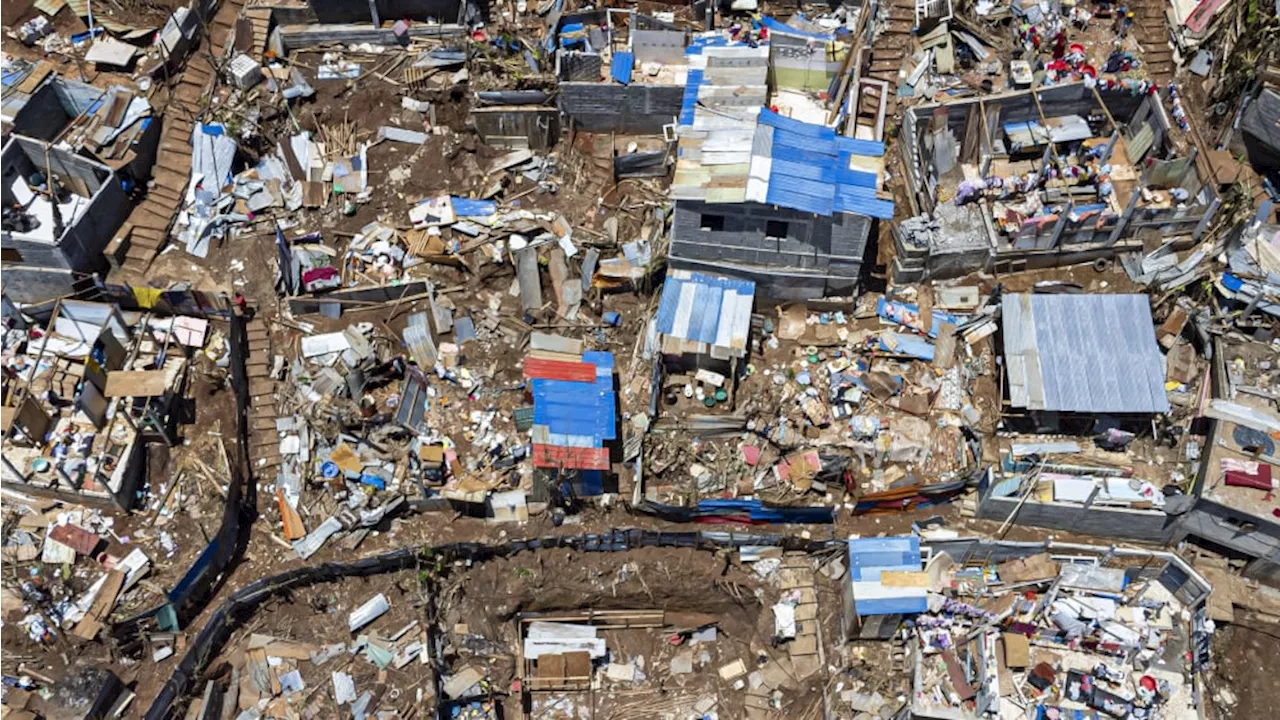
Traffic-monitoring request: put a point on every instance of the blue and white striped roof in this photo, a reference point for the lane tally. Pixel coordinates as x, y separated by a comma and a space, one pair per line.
791, 164
707, 310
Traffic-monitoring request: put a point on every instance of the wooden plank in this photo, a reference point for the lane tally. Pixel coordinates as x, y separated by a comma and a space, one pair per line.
135, 383
37, 76
119, 104
293, 527
88, 627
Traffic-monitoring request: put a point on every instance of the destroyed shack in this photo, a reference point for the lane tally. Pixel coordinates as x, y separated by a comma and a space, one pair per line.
1234, 493
619, 70
1067, 174
1050, 629
61, 210
89, 394
113, 125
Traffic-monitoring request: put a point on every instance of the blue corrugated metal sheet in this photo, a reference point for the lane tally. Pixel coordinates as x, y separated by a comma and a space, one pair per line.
864, 148
868, 557
621, 67
782, 196
703, 307
850, 199
692, 82
810, 169
578, 408
820, 132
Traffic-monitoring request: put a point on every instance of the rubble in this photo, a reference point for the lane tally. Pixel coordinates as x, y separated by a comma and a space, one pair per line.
338, 347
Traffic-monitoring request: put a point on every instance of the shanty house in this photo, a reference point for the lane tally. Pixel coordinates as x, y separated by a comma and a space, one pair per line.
575, 416
99, 386
875, 597
762, 195
1067, 174
705, 320
1073, 358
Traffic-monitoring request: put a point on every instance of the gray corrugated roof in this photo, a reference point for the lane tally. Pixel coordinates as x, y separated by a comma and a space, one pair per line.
1083, 353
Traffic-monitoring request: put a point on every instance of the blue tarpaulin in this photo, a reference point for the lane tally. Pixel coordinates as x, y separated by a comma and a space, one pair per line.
908, 315
621, 67
903, 344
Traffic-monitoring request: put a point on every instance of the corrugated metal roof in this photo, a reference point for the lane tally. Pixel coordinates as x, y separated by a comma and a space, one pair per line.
786, 162
868, 558
706, 309
808, 167
538, 368
569, 408
1083, 353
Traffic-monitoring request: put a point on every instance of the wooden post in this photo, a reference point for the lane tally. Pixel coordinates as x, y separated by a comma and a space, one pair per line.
1124, 219
1208, 218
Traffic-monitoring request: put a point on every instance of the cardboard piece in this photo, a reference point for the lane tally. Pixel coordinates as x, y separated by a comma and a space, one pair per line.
1017, 650
135, 383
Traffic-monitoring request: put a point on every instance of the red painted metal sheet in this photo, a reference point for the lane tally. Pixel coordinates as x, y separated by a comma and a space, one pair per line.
74, 536
559, 370
574, 458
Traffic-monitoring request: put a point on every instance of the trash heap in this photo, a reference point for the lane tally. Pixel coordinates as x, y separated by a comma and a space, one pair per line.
879, 400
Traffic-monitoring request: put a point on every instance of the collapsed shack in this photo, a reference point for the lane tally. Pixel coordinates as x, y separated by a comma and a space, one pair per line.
1062, 175
89, 391
1030, 628
1234, 493
61, 210
881, 406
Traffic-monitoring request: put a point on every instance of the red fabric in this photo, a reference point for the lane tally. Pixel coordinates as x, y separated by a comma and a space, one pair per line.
1249, 474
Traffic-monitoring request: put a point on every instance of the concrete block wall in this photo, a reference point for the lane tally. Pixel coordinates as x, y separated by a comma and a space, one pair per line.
811, 241
1141, 525
607, 107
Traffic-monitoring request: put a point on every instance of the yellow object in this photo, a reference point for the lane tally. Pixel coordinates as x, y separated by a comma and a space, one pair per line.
147, 297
